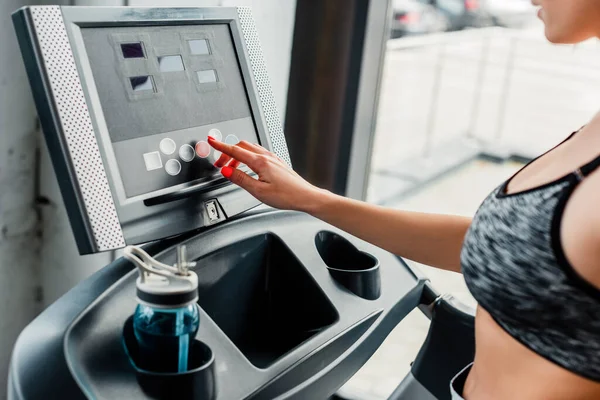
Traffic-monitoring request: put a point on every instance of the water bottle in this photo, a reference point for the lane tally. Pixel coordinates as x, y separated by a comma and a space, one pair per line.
166, 318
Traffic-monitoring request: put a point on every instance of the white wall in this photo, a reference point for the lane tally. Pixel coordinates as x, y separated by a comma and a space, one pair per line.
20, 227
19, 246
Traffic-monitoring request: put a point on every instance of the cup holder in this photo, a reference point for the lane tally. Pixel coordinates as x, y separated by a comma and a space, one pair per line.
358, 271
196, 383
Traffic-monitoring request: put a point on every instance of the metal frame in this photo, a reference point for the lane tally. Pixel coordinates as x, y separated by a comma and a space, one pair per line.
103, 218
335, 76
448, 348
367, 102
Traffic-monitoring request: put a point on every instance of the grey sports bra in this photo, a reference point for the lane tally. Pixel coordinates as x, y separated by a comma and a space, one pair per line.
514, 265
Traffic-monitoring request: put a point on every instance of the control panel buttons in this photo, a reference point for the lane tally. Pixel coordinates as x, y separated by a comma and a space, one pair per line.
173, 167
202, 149
167, 146
187, 153
152, 161
216, 134
232, 140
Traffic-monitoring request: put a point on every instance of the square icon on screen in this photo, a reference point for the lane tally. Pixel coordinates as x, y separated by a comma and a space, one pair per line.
199, 46
207, 76
152, 161
132, 50
170, 63
142, 83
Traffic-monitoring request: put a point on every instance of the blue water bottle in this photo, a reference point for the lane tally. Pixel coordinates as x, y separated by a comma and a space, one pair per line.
166, 319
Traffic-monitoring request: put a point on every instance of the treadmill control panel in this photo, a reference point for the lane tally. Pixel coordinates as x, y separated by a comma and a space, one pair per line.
163, 90
127, 98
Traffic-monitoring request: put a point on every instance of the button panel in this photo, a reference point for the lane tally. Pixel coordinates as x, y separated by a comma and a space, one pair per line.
232, 140
202, 149
152, 161
144, 174
173, 167
167, 146
187, 153
216, 134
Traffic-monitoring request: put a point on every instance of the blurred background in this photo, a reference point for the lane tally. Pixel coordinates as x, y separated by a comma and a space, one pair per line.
470, 91
455, 99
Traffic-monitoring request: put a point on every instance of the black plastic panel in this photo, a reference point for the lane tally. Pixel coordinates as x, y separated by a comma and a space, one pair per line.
277, 304
357, 270
315, 361
274, 245
448, 348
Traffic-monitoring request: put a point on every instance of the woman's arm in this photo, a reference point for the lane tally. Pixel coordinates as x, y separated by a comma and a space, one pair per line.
431, 239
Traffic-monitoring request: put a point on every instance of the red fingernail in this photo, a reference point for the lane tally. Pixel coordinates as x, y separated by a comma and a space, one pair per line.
227, 172
211, 138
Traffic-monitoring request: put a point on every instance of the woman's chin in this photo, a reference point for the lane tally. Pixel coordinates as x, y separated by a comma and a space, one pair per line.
565, 36
555, 38
552, 38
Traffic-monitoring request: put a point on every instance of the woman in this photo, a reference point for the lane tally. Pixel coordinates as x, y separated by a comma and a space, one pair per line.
530, 256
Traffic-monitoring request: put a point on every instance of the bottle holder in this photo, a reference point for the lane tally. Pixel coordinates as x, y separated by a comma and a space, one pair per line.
196, 383
356, 270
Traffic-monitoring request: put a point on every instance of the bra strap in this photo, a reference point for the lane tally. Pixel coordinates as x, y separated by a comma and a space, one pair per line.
590, 167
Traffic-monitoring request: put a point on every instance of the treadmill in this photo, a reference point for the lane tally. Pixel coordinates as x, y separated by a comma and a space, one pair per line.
290, 307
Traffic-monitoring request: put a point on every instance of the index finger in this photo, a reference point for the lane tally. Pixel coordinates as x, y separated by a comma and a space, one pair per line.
242, 155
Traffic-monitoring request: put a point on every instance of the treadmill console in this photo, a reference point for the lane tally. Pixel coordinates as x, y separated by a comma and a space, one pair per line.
127, 98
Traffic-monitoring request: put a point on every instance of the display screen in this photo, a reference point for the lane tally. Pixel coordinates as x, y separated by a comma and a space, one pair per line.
170, 63
199, 46
162, 89
142, 83
132, 50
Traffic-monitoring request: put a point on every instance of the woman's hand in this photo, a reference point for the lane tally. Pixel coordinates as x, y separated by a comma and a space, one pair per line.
408, 234
277, 184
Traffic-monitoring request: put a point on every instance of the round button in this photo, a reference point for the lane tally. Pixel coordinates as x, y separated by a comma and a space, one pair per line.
216, 155
167, 146
186, 153
216, 134
173, 167
232, 139
202, 149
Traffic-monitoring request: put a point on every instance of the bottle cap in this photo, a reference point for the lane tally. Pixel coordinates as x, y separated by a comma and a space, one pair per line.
163, 286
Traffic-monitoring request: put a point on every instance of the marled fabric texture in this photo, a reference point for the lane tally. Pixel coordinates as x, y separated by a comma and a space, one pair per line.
514, 266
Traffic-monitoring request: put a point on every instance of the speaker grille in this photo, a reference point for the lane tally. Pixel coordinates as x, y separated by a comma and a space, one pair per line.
77, 129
